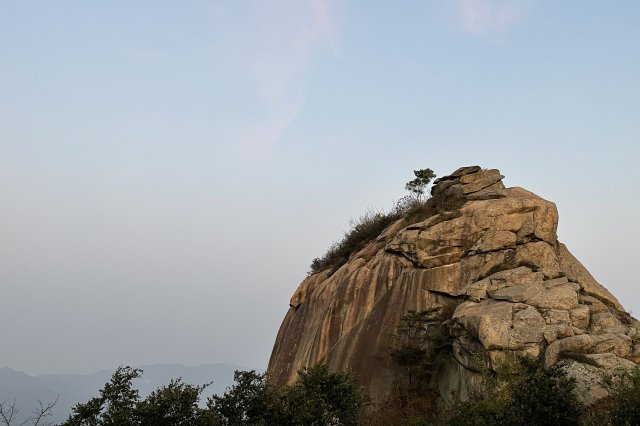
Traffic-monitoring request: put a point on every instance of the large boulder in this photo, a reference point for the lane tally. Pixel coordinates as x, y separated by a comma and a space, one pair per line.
490, 264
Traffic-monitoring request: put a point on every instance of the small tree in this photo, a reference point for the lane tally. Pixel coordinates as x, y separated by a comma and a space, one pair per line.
321, 397
119, 404
415, 350
115, 405
418, 185
174, 404
249, 401
413, 353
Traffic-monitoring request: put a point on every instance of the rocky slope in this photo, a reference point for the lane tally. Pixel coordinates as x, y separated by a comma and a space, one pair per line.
497, 275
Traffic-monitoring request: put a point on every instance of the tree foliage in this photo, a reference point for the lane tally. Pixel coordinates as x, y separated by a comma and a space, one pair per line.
418, 185
248, 402
415, 349
412, 355
119, 404
319, 397
521, 392
622, 408
371, 224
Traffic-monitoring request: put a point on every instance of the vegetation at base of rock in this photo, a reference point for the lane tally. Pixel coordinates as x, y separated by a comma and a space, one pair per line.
319, 397
415, 350
371, 224
521, 392
626, 394
120, 404
622, 406
412, 354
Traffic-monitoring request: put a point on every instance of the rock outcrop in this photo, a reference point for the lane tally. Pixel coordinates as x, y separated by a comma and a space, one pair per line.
494, 270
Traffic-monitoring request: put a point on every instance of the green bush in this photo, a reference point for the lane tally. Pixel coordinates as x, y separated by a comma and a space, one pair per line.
119, 404
319, 397
522, 392
624, 403
322, 398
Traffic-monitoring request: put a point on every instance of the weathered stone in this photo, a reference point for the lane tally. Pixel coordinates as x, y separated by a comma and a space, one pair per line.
557, 281
617, 344
528, 326
489, 266
578, 273
492, 192
558, 297
494, 240
635, 354
558, 325
307, 287
595, 305
606, 322
444, 279
479, 175
608, 361
580, 316
537, 255
469, 352
453, 192
481, 183
541, 255
501, 325
456, 382
482, 226
440, 186
581, 343
590, 380
518, 293
496, 358
462, 171
478, 290
512, 277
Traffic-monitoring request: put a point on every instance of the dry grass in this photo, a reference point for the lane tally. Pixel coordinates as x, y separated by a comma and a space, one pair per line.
371, 224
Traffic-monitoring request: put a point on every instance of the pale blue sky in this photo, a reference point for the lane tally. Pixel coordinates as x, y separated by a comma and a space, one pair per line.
169, 169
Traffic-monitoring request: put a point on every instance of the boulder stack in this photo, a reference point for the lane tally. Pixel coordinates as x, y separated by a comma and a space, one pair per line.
490, 264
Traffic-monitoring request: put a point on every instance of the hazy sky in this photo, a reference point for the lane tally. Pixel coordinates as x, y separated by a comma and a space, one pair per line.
169, 169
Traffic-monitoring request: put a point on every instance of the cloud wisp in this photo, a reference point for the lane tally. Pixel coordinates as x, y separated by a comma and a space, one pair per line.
288, 37
484, 17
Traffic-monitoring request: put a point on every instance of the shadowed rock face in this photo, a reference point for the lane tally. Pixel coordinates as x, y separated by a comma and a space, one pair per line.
497, 274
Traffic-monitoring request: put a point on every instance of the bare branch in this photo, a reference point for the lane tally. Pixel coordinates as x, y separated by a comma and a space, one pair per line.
7, 412
41, 413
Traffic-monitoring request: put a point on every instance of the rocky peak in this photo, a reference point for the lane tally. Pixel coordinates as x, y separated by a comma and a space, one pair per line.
490, 264
470, 180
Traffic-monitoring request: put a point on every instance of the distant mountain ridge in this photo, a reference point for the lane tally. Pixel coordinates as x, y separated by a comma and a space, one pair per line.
71, 389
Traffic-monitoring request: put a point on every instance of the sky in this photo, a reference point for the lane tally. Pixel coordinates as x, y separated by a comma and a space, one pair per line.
168, 170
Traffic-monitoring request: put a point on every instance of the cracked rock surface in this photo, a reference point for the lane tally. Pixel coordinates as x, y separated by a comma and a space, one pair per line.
499, 277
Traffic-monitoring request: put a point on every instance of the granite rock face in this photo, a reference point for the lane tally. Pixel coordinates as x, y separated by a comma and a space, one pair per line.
493, 268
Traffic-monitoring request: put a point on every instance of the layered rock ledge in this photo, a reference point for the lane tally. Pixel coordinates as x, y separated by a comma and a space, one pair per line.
494, 269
